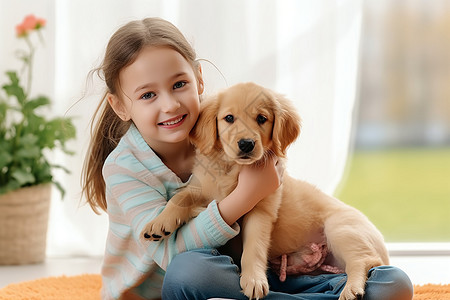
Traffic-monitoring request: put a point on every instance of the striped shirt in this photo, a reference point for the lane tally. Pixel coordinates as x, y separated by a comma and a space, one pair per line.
138, 186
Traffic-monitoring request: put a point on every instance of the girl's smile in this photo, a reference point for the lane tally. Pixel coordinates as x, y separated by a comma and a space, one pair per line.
174, 122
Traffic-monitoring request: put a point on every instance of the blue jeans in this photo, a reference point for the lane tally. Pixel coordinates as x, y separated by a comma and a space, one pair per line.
204, 273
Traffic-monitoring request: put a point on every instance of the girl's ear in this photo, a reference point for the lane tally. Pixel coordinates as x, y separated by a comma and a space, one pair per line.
204, 133
200, 83
118, 107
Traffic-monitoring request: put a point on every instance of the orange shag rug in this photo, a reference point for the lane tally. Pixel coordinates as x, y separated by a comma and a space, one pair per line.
87, 287
81, 287
432, 292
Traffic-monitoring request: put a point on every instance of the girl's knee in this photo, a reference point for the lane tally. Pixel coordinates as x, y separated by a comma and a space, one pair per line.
388, 283
194, 275
187, 268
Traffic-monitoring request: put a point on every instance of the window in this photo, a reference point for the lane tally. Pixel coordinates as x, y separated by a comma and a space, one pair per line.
399, 172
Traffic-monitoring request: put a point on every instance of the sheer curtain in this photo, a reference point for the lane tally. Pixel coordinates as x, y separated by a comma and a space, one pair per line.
307, 50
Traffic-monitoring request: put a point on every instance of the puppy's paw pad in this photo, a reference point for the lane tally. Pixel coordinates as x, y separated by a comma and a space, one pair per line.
157, 230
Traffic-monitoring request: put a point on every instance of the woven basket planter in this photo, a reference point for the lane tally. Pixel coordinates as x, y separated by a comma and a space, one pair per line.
23, 225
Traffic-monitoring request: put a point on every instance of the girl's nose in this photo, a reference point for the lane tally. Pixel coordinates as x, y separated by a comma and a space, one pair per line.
170, 103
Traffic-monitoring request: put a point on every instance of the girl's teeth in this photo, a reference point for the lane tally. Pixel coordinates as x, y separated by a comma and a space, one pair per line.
173, 122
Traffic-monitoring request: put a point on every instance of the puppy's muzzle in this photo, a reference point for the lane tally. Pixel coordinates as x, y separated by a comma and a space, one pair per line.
246, 145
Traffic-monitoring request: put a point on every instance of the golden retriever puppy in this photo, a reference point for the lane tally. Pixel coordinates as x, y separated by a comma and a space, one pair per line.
318, 233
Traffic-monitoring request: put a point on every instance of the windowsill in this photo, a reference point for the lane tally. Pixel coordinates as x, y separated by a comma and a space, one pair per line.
423, 262
419, 249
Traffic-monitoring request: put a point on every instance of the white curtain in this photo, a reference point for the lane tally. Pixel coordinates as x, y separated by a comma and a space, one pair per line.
307, 50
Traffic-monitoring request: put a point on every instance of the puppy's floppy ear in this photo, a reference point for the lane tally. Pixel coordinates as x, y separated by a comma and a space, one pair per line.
286, 127
204, 134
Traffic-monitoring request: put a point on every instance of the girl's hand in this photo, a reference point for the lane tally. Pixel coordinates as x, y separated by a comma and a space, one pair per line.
258, 182
254, 184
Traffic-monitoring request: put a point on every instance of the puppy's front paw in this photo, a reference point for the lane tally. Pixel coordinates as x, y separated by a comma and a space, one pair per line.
160, 227
352, 293
254, 286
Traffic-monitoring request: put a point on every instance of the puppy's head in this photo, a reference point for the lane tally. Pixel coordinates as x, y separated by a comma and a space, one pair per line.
246, 121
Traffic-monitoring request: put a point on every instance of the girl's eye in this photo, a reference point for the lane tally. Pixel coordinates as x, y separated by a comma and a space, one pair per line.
261, 119
148, 95
179, 84
229, 118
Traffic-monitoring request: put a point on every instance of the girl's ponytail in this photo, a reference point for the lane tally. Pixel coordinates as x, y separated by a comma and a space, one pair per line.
106, 131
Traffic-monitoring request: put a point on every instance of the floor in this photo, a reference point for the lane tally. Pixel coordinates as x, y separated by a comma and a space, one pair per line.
51, 267
431, 268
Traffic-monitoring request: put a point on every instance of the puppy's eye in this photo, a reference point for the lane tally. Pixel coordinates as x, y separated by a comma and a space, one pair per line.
229, 118
261, 119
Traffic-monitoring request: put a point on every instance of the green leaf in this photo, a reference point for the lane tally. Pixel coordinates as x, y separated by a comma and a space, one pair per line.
67, 151
5, 159
5, 155
62, 168
3, 109
31, 152
60, 188
10, 186
64, 129
35, 124
14, 89
35, 103
57, 130
42, 171
28, 139
13, 77
23, 177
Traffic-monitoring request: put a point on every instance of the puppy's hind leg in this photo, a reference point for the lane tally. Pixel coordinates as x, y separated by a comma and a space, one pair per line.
351, 246
356, 281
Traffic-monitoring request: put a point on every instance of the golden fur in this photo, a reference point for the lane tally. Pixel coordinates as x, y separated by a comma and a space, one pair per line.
288, 220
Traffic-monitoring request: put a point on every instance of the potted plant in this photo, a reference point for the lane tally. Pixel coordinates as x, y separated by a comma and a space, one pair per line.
27, 137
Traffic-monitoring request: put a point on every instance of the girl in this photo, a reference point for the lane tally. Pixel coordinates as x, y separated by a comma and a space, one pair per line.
140, 155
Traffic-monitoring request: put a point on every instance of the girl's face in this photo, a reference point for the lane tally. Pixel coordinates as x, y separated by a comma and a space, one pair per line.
160, 94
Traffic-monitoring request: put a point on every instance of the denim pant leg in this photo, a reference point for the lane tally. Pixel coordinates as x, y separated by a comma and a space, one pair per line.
204, 273
384, 282
201, 274
317, 287
388, 283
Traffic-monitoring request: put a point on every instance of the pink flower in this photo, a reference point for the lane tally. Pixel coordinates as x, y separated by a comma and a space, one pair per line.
29, 23
40, 23
21, 31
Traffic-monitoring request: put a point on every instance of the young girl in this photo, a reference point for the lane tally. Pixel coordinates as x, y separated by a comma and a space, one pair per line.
140, 155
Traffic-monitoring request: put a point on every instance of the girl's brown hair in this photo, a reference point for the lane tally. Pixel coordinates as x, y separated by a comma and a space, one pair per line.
106, 127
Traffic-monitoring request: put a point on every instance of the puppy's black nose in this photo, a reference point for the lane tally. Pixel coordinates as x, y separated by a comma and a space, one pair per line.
246, 145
